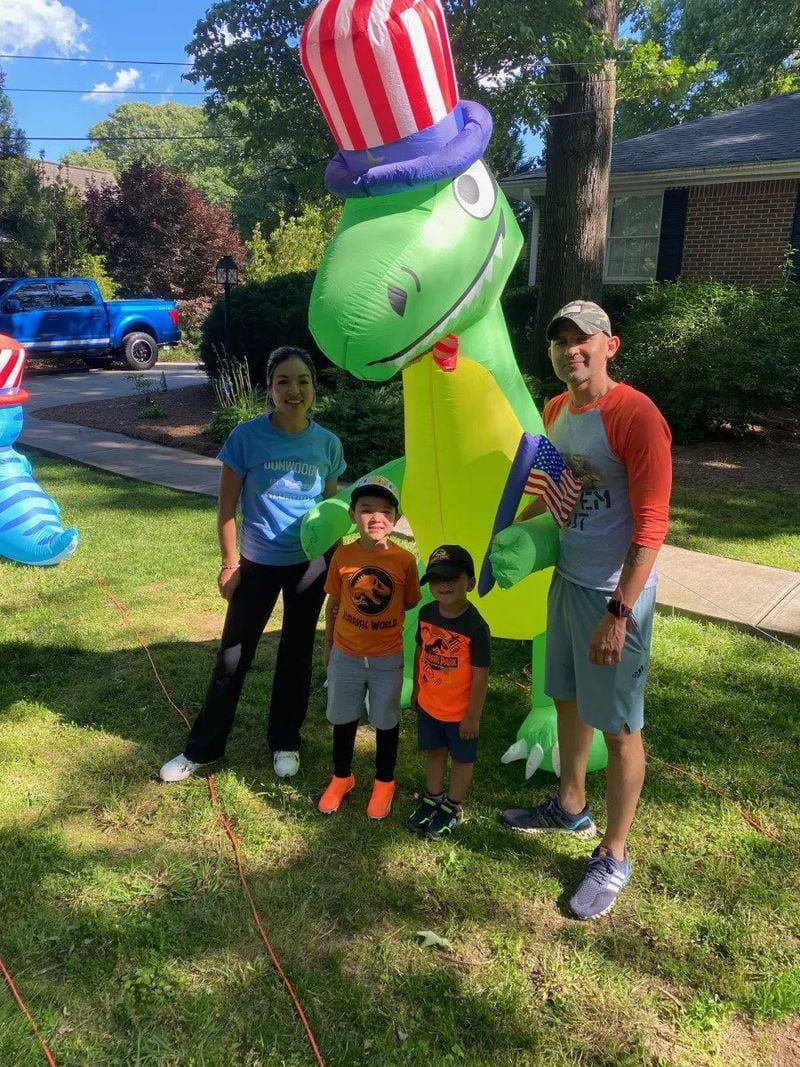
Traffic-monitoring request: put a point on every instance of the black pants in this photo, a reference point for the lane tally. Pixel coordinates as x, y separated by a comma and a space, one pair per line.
302, 585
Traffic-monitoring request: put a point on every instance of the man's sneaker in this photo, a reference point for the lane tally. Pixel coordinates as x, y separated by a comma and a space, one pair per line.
550, 816
605, 876
421, 816
380, 803
444, 821
179, 769
286, 764
337, 790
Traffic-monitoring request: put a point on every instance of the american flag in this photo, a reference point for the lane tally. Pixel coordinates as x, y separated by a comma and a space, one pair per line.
552, 480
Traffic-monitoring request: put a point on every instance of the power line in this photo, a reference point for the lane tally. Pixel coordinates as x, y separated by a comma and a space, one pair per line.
114, 92
79, 59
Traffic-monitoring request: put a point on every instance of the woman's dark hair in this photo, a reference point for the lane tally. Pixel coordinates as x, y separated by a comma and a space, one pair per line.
280, 355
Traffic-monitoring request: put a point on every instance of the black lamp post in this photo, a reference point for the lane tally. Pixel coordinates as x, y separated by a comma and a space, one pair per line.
227, 275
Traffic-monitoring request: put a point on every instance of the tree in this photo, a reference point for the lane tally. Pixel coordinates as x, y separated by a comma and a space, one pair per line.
159, 235
578, 158
71, 232
296, 245
696, 57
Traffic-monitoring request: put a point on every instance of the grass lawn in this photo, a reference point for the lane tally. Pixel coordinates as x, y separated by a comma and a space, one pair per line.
755, 525
127, 932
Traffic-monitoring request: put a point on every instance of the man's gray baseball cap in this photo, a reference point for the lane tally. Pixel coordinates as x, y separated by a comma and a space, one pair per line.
586, 315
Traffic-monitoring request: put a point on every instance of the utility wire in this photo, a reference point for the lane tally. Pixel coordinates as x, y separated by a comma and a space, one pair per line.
114, 92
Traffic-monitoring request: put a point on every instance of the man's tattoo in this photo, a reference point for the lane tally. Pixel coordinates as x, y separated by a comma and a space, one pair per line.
638, 555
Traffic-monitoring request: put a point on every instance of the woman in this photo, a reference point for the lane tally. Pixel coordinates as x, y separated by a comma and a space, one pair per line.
277, 467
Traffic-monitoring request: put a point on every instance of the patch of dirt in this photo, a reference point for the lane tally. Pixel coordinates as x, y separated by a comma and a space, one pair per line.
768, 458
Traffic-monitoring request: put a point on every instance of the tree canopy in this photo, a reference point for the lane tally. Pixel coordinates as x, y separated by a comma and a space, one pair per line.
159, 235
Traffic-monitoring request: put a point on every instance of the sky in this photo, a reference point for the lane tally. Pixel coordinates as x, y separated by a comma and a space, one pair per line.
136, 33
155, 30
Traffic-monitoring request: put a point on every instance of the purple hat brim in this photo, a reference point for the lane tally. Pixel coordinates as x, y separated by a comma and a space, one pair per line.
420, 167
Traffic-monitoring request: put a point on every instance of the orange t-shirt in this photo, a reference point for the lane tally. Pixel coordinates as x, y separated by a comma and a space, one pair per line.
375, 586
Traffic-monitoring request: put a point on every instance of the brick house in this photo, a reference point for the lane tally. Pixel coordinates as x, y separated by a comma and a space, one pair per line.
717, 198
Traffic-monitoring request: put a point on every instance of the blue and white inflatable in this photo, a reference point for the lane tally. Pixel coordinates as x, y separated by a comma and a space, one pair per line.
30, 521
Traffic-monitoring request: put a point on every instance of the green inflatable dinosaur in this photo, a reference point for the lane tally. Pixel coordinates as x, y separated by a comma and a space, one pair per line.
410, 284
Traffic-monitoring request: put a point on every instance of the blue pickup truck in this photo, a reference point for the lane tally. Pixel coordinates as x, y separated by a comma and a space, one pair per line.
68, 317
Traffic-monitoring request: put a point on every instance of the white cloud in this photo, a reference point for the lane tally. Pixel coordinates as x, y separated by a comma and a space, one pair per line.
102, 93
25, 25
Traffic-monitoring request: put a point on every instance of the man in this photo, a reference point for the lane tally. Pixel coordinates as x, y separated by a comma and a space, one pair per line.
602, 598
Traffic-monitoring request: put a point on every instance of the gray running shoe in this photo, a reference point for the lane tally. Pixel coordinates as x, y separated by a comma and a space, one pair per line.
604, 879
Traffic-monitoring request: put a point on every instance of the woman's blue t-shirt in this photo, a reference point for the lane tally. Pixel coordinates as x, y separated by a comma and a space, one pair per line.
284, 476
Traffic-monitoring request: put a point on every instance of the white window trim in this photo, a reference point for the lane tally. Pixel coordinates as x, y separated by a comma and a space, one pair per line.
618, 196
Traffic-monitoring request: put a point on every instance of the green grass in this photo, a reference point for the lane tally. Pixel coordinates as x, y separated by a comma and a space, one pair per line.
755, 525
128, 934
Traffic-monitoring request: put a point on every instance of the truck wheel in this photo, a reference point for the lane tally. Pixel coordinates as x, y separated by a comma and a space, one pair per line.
139, 351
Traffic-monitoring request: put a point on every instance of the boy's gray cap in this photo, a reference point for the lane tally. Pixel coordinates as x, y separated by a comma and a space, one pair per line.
587, 316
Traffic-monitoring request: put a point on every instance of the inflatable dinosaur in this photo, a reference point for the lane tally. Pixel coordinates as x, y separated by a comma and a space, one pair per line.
30, 523
410, 284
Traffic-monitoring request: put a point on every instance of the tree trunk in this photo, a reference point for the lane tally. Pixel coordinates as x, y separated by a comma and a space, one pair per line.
578, 157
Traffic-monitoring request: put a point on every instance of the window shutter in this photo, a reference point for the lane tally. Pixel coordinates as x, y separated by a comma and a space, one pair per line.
795, 240
673, 227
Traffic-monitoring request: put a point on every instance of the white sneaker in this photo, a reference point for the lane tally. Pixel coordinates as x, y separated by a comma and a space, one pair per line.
286, 764
178, 769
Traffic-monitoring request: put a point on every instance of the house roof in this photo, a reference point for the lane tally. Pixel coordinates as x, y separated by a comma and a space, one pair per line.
766, 132
80, 177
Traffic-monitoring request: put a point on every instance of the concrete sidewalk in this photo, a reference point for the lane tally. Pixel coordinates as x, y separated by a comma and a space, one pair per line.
690, 583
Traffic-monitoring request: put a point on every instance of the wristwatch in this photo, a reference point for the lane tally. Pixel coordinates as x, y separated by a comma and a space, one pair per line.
619, 610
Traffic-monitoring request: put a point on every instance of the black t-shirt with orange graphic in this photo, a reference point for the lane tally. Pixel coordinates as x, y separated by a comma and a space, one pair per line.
449, 649
375, 587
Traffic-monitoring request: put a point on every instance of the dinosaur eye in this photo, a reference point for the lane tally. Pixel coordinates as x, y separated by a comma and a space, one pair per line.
475, 191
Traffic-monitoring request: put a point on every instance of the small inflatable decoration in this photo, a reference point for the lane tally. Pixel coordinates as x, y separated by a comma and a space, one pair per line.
411, 282
30, 524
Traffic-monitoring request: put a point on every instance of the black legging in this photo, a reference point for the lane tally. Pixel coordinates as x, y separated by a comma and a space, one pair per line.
344, 743
248, 613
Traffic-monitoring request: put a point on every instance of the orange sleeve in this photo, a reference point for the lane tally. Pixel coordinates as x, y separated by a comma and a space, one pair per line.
552, 409
413, 593
333, 580
640, 438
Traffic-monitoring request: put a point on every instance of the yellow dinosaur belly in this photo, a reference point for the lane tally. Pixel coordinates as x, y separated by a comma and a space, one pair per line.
461, 438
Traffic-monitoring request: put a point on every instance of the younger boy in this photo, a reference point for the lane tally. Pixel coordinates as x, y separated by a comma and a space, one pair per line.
370, 584
451, 673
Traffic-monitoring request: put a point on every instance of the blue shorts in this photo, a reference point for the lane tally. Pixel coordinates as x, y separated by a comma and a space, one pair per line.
608, 698
433, 733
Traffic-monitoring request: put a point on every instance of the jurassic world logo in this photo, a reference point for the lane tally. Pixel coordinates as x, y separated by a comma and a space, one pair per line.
371, 590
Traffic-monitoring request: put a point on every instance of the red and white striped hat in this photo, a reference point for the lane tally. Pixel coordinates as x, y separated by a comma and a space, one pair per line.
12, 364
383, 75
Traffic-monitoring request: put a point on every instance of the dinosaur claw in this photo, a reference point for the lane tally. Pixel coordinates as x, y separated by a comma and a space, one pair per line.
534, 761
519, 750
555, 757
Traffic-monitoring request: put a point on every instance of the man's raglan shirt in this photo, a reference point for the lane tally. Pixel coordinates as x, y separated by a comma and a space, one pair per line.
284, 476
619, 449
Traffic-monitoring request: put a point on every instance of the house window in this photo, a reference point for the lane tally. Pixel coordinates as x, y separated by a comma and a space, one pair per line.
633, 234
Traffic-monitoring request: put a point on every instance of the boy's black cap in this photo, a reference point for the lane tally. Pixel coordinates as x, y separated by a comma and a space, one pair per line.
448, 561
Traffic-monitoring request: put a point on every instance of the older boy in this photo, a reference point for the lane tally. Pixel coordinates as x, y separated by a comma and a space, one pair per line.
370, 585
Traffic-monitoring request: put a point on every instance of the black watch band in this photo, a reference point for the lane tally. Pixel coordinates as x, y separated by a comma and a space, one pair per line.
619, 610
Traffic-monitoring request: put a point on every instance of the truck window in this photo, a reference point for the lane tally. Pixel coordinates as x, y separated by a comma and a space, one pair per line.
6, 283
73, 294
33, 296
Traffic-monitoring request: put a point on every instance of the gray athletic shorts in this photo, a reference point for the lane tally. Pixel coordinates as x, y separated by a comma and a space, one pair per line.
609, 698
350, 678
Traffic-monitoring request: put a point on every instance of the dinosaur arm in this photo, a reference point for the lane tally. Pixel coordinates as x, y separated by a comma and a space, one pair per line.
329, 521
523, 549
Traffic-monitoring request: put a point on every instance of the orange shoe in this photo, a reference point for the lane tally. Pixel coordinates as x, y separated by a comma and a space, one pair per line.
337, 790
380, 803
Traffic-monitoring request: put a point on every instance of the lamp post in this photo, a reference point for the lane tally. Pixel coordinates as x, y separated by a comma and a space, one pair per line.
227, 275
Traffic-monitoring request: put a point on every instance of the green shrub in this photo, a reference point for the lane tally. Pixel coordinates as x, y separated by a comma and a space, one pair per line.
519, 310
367, 416
713, 356
264, 315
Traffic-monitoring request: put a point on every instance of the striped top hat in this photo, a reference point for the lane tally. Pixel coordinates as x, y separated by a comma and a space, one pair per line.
12, 364
382, 72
